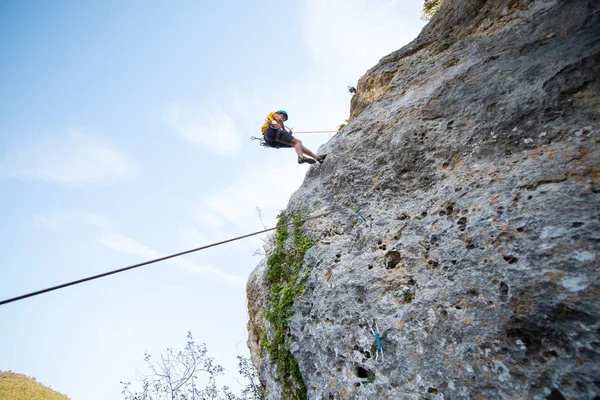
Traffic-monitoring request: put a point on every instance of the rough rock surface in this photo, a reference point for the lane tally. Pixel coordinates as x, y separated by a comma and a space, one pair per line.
473, 153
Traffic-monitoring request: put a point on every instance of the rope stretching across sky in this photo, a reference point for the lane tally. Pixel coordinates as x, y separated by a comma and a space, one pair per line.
116, 271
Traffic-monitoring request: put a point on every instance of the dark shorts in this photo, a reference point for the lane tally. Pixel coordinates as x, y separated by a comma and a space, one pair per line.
277, 138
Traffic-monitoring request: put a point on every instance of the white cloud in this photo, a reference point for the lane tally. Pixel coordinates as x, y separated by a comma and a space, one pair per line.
127, 245
232, 211
352, 35
192, 237
268, 189
343, 39
75, 159
213, 130
61, 220
75, 221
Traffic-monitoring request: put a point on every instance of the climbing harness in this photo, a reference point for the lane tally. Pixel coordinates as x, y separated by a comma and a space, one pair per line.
264, 144
357, 211
379, 351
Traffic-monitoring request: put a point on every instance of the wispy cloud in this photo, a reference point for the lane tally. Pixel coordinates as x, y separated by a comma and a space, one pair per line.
107, 236
343, 39
214, 130
335, 29
62, 220
236, 204
74, 159
127, 245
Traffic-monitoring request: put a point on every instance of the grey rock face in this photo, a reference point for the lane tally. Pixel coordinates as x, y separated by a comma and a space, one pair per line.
474, 155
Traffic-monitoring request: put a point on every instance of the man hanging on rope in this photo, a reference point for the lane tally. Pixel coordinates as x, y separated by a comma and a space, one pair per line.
277, 136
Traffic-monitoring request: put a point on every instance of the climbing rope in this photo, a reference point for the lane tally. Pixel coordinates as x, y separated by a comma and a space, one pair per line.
379, 351
160, 259
315, 131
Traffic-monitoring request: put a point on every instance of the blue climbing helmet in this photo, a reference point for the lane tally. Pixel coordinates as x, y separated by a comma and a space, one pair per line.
285, 116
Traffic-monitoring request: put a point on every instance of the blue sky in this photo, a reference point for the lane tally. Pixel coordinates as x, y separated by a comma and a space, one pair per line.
125, 136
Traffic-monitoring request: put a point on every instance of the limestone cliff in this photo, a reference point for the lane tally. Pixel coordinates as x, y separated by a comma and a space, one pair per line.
473, 153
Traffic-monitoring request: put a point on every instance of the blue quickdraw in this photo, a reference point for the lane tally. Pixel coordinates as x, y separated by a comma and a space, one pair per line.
379, 351
356, 210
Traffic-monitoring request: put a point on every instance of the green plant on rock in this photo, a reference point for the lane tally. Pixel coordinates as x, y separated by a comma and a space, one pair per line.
430, 7
342, 125
370, 378
283, 275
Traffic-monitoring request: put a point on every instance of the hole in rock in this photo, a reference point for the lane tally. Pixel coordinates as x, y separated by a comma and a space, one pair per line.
458, 307
551, 353
392, 259
424, 214
510, 259
361, 372
370, 267
577, 224
503, 292
470, 246
432, 391
555, 395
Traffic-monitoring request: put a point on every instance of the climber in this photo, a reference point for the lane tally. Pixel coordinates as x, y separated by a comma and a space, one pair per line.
277, 136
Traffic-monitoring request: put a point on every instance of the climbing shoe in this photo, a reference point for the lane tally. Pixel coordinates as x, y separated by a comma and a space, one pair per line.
306, 160
321, 158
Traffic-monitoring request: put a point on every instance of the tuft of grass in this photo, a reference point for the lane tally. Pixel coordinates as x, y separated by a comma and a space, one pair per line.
370, 378
285, 283
342, 125
430, 7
